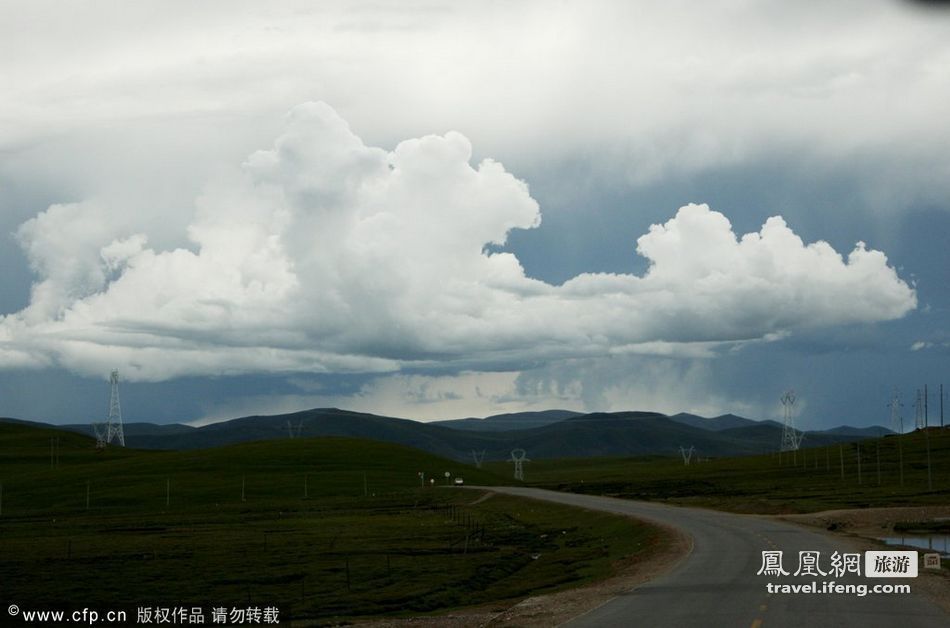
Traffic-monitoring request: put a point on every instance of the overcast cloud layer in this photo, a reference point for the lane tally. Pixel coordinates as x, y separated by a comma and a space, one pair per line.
326, 255
161, 213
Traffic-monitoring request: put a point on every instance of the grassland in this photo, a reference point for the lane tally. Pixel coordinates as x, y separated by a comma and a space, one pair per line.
332, 529
855, 475
323, 529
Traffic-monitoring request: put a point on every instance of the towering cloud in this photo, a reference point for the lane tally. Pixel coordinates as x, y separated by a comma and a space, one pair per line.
326, 255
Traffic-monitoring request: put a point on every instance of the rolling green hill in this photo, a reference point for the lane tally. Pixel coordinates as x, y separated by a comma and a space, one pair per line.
509, 421
888, 471
50, 470
324, 529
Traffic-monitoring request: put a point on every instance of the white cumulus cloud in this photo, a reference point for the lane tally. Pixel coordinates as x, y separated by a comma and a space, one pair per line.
323, 254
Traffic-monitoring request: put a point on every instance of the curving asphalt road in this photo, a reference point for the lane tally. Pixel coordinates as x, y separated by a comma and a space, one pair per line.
717, 585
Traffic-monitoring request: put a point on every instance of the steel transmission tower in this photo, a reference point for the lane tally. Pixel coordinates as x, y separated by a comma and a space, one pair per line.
519, 457
112, 429
687, 454
479, 457
897, 419
294, 430
791, 438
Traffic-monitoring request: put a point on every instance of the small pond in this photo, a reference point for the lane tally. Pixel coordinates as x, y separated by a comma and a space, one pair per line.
935, 542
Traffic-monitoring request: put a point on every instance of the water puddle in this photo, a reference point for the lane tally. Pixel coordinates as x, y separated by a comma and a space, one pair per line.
933, 542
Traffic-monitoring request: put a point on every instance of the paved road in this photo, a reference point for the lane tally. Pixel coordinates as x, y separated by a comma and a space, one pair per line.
717, 585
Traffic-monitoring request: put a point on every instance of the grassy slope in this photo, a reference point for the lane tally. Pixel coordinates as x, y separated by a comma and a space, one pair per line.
338, 553
809, 481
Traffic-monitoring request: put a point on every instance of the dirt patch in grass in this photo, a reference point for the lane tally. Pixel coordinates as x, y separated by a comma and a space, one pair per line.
870, 522
672, 546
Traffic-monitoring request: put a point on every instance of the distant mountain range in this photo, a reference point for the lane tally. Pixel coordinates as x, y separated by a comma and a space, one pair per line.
549, 434
721, 422
506, 422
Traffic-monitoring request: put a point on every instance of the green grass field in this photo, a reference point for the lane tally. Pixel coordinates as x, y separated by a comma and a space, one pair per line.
332, 529
853, 475
323, 529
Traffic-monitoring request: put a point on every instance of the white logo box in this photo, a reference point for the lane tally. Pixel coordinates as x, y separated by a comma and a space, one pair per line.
890, 564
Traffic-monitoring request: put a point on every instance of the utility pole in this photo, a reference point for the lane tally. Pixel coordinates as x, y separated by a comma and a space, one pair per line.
897, 422
930, 483
859, 463
878, 452
926, 414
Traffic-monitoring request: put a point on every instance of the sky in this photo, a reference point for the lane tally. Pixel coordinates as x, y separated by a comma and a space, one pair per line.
437, 210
